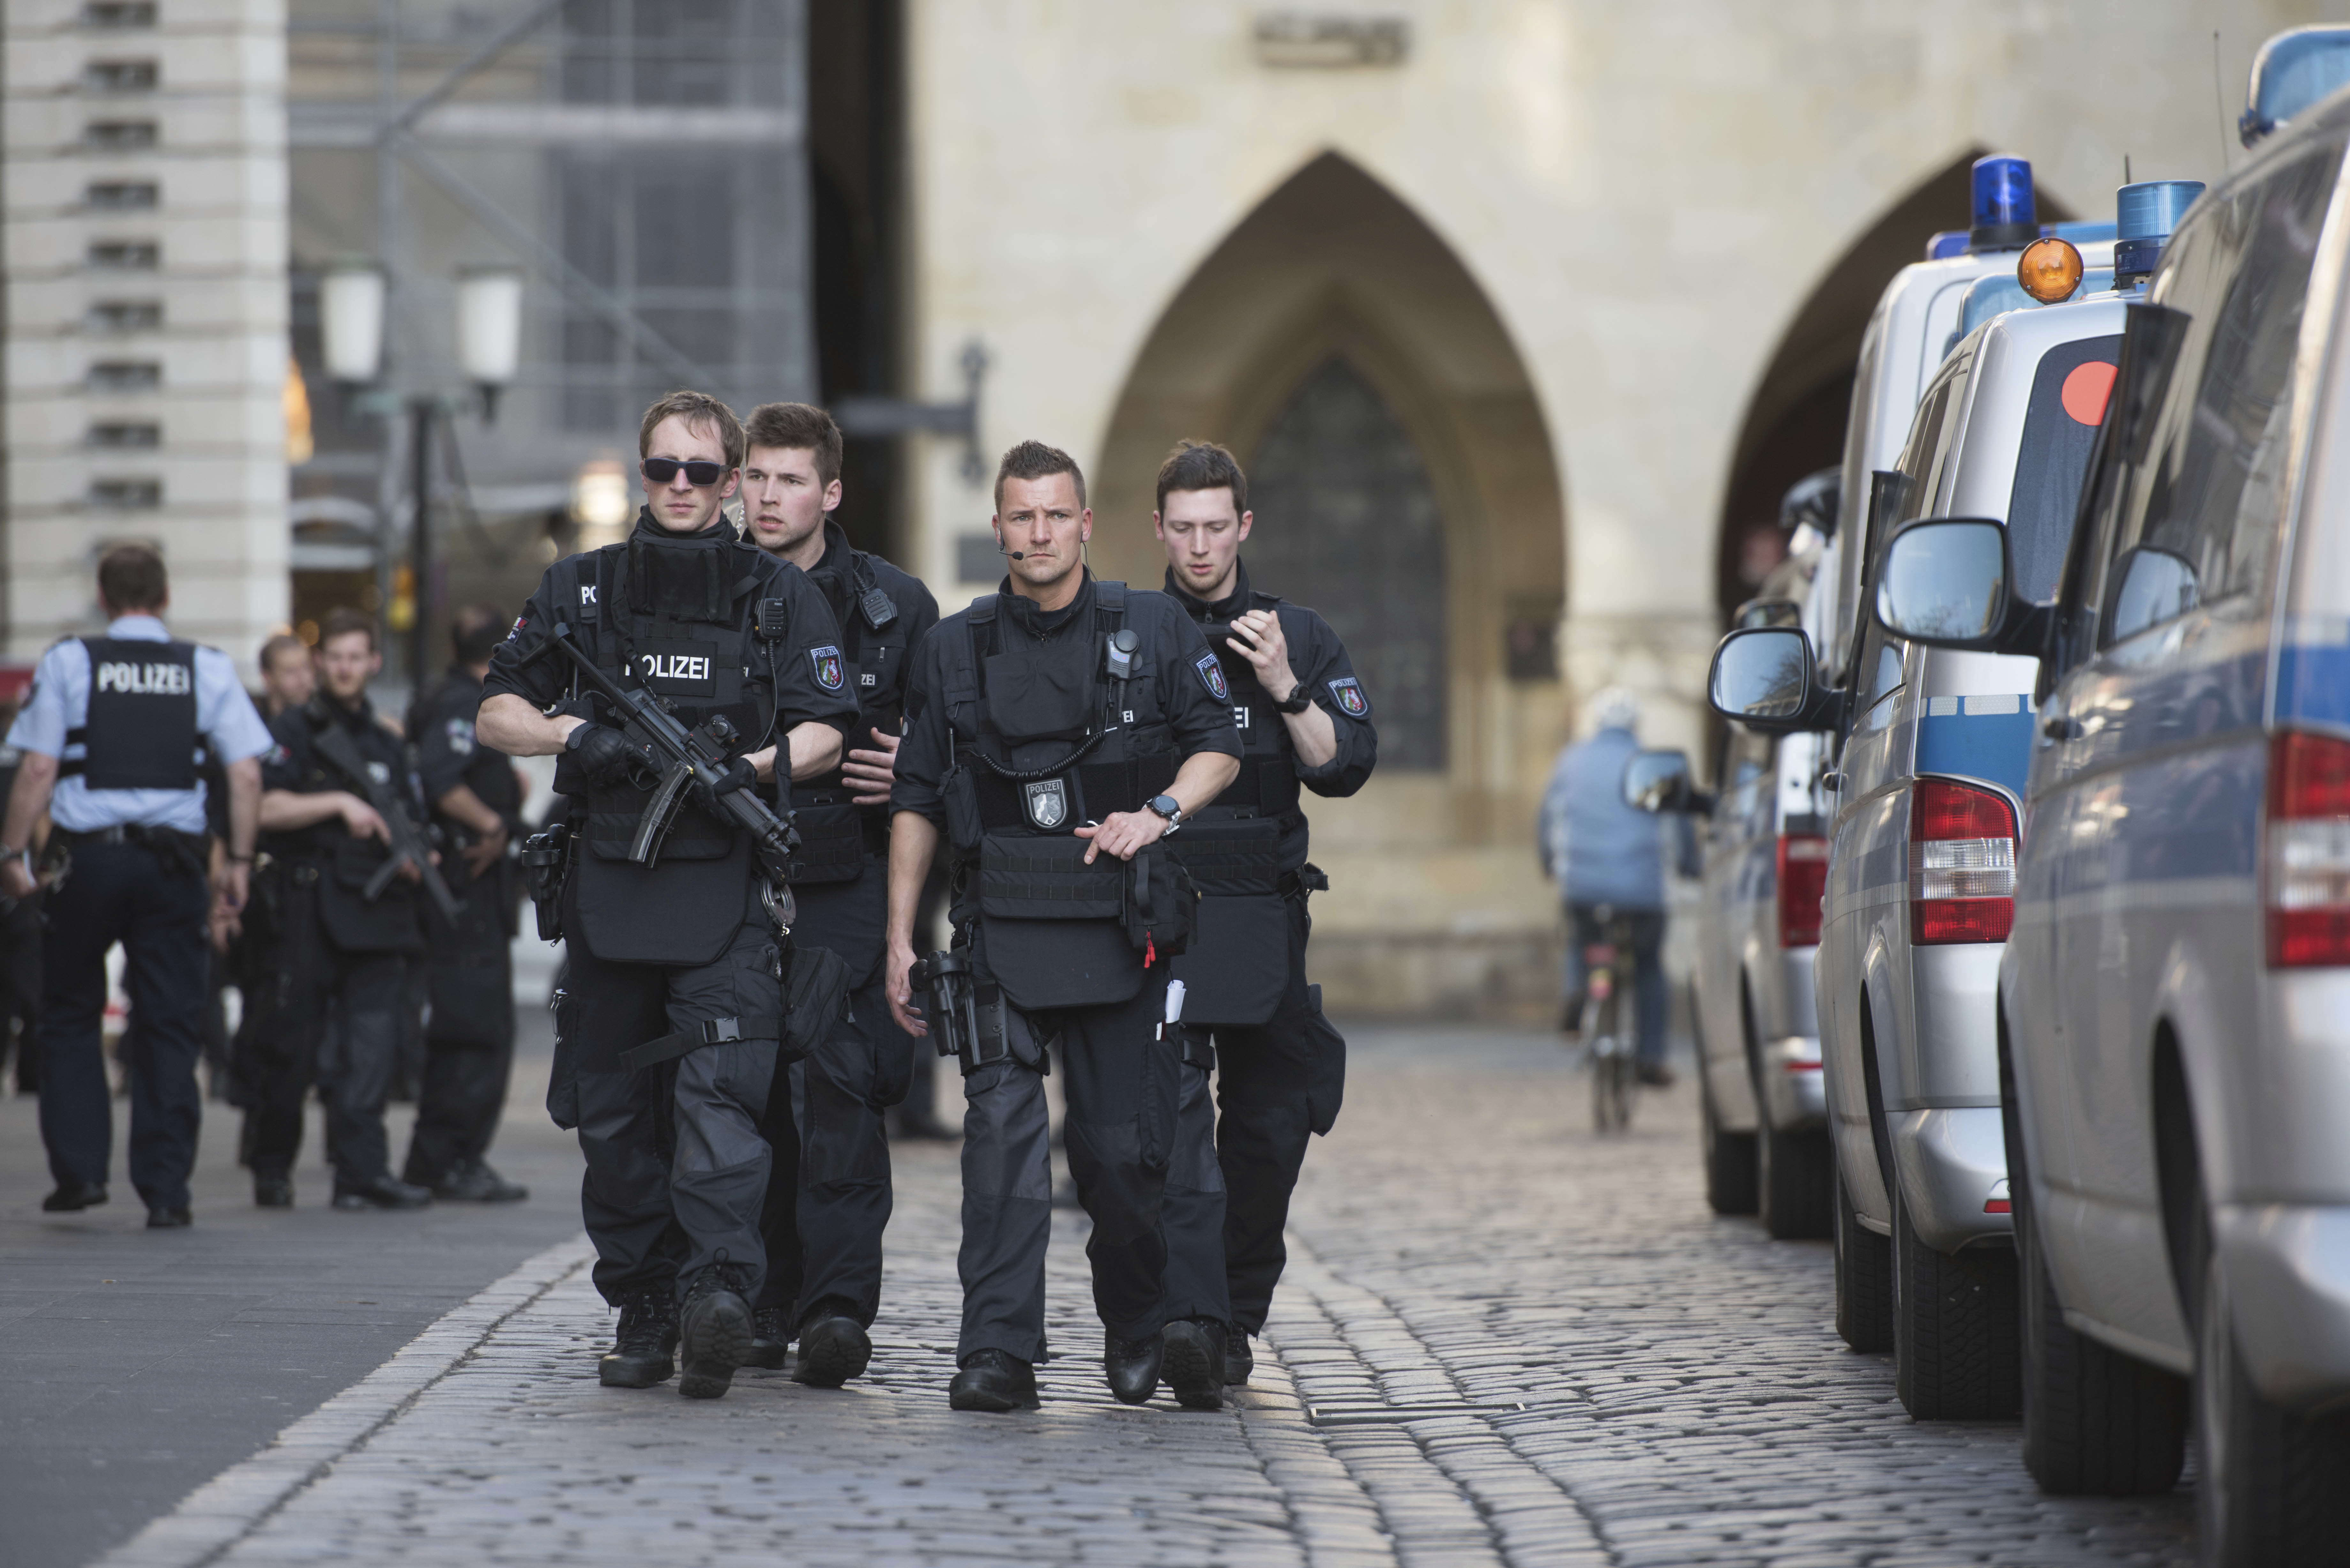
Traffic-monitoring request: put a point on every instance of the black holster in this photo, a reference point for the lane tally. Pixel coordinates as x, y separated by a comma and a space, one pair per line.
974, 1020
546, 861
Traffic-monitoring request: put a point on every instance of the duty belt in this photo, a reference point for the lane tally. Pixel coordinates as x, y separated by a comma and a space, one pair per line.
169, 845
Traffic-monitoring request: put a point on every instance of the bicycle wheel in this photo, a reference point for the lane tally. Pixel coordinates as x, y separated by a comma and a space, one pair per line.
1609, 1060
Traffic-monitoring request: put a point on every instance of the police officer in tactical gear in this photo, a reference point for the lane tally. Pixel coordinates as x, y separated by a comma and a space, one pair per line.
1304, 719
469, 1034
348, 933
823, 1221
109, 740
1058, 730
671, 1003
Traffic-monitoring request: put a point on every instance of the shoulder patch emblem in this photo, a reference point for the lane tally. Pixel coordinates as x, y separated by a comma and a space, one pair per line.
520, 621
830, 672
1348, 692
461, 736
1211, 676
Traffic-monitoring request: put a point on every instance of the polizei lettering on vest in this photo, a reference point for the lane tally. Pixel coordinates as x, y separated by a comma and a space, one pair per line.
145, 679
676, 667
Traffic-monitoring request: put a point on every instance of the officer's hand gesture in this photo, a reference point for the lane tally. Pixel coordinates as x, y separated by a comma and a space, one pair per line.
1258, 636
898, 969
486, 852
361, 820
870, 774
16, 878
1123, 832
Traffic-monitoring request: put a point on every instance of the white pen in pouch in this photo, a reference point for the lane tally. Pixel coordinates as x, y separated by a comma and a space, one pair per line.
1174, 1007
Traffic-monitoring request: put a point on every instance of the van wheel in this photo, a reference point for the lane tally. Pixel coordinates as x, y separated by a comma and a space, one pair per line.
1798, 1175
2275, 1485
1955, 1351
2095, 1422
1864, 1277
1729, 1158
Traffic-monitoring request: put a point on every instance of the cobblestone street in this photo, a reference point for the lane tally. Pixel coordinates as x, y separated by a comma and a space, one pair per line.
1649, 1385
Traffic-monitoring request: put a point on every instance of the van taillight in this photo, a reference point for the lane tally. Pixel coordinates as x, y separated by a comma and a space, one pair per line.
2307, 857
1802, 878
1961, 865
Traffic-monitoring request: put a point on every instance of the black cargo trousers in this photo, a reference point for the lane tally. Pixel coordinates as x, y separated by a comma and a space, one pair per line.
1121, 1093
828, 1196
1277, 1083
677, 1161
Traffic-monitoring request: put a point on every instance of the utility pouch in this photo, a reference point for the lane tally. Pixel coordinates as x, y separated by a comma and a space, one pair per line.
948, 999
832, 842
1198, 1045
354, 922
563, 1081
547, 861
960, 788
1052, 928
1161, 906
1003, 1033
816, 994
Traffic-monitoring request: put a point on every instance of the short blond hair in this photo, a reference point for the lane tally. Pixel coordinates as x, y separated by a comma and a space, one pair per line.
699, 411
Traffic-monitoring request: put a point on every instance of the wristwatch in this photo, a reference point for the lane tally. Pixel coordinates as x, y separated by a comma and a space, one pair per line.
1167, 807
1297, 702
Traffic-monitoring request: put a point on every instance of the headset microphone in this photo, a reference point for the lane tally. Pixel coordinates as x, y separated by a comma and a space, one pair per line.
1016, 554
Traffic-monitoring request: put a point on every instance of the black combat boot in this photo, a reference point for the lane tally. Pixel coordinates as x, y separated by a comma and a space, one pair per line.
994, 1381
714, 1331
477, 1183
73, 1197
272, 1191
642, 1352
833, 1346
1133, 1367
771, 1338
1194, 1363
1240, 1360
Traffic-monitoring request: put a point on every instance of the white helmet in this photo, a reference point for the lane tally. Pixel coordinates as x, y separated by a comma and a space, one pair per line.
1614, 708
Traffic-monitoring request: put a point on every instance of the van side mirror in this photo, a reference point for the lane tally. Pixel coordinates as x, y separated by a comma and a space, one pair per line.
1659, 782
1762, 677
1948, 582
2152, 586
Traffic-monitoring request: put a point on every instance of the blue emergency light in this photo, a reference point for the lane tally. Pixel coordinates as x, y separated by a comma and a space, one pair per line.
2147, 212
2291, 73
2005, 215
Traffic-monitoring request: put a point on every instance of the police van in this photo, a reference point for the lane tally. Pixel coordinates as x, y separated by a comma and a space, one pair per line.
2176, 1007
1926, 794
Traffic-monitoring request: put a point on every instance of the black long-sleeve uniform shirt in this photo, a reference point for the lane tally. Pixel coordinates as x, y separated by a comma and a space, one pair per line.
1319, 661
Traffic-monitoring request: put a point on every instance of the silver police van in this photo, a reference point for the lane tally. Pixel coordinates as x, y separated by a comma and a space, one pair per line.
1764, 1115
2175, 1004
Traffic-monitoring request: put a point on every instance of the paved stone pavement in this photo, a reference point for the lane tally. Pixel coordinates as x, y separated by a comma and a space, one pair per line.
1461, 1241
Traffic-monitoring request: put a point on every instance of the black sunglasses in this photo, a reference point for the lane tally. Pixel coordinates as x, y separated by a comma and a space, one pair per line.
699, 473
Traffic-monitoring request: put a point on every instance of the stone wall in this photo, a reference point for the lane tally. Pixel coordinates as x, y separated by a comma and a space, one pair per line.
146, 310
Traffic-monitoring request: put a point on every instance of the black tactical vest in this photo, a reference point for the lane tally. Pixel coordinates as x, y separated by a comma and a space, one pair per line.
837, 833
142, 728
1049, 735
1239, 965
717, 657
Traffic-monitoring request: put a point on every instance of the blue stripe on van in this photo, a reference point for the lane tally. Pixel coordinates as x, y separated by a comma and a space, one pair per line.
2312, 684
1973, 739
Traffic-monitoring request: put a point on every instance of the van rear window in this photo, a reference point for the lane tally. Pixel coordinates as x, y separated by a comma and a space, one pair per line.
2069, 391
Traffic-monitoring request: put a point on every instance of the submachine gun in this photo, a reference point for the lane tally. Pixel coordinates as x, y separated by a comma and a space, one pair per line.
407, 845
684, 756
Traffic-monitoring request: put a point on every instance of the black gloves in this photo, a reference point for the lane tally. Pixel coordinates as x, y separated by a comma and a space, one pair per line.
740, 775
609, 759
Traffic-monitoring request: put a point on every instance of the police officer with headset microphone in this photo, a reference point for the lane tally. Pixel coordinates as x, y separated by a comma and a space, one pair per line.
677, 943
1304, 721
110, 737
824, 1221
1058, 730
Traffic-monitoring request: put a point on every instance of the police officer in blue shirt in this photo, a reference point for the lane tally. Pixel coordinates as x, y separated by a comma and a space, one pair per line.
110, 737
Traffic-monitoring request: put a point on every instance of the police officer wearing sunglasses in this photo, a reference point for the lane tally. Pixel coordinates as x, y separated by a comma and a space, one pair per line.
670, 1012
1057, 732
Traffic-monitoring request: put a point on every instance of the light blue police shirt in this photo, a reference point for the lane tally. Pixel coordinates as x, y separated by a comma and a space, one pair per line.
60, 701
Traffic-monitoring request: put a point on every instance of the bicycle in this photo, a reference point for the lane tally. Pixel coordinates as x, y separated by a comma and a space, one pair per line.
1610, 1029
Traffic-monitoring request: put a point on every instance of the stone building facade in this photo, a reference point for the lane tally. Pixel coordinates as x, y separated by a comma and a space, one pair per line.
1600, 266
144, 235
